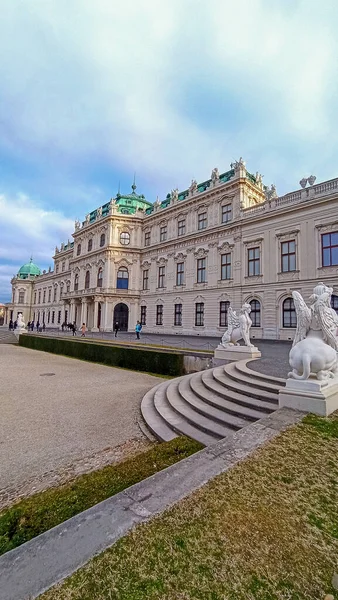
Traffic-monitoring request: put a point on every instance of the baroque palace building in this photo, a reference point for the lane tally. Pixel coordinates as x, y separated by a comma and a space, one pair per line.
176, 265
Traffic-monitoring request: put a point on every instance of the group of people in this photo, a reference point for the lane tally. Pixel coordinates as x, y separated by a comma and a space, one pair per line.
72, 327
138, 329
31, 325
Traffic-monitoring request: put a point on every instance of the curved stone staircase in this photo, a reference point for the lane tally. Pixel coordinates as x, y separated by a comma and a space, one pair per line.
209, 405
7, 337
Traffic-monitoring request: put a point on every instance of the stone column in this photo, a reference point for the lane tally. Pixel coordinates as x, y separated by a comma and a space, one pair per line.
71, 311
83, 311
96, 310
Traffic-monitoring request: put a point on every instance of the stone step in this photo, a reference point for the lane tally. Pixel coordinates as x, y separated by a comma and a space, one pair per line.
243, 366
176, 421
8, 337
245, 389
206, 423
214, 410
237, 396
231, 371
234, 404
156, 424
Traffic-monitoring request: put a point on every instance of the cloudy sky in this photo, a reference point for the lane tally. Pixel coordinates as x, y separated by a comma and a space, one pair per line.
92, 91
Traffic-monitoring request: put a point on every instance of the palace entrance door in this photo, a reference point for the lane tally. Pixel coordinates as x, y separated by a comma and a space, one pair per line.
121, 313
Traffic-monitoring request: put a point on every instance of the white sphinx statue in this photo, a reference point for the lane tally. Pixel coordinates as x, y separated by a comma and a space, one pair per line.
315, 346
238, 327
20, 325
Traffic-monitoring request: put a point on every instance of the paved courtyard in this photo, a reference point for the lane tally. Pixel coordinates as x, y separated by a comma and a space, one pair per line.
82, 416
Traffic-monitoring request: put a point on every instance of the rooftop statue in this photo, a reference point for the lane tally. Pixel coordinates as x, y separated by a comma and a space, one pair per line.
77, 225
99, 213
238, 327
314, 350
238, 163
214, 175
87, 219
270, 193
174, 195
193, 186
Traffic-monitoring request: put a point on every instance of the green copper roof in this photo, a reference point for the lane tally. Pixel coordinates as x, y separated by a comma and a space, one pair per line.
130, 203
28, 269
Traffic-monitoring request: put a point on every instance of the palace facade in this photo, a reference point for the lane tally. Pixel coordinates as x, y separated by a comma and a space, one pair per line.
176, 265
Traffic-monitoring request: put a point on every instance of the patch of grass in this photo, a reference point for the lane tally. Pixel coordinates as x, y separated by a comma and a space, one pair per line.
265, 530
36, 514
326, 427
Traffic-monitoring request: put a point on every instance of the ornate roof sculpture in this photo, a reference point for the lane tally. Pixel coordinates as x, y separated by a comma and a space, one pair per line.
28, 270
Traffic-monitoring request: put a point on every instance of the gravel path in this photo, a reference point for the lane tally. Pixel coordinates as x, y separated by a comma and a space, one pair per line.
53, 427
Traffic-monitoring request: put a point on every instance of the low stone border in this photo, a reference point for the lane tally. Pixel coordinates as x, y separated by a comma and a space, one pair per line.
47, 559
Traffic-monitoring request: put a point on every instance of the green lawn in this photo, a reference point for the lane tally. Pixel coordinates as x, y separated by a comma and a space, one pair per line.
28, 518
265, 530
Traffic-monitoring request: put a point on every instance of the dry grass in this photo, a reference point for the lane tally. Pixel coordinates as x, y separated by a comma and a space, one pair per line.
266, 530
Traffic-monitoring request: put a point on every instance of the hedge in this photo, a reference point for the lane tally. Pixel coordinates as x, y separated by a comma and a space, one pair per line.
137, 359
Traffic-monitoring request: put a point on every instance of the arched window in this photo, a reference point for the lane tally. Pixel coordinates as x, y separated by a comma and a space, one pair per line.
102, 240
90, 244
76, 282
255, 314
122, 278
78, 250
87, 280
289, 313
100, 277
125, 238
334, 303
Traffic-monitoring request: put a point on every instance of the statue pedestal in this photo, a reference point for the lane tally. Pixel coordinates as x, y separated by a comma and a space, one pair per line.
18, 330
310, 395
236, 352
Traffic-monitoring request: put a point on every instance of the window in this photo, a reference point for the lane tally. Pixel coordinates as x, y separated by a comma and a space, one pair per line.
100, 278
223, 313
34, 297
78, 250
63, 266
145, 280
334, 303
226, 266
59, 316
56, 268
289, 313
202, 220
53, 316
21, 297
87, 280
44, 296
68, 286
66, 316
90, 244
102, 240
181, 227
178, 314
147, 238
199, 314
161, 276
76, 282
61, 289
55, 293
226, 213
330, 249
254, 267
255, 314
124, 238
39, 301
288, 256
122, 278
201, 270
48, 317
50, 295
159, 314
180, 273
143, 315
163, 233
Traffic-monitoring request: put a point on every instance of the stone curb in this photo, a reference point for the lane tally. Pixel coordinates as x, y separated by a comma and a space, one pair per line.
34, 567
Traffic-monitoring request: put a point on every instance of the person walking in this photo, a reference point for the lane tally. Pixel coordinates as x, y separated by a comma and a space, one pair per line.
83, 330
138, 329
38, 326
43, 327
116, 328
11, 325
73, 328
32, 326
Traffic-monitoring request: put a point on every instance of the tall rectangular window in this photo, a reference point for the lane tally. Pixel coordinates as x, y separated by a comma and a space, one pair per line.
330, 249
180, 273
159, 314
201, 270
178, 314
147, 238
63, 266
145, 279
53, 316
55, 292
34, 297
143, 315
59, 317
48, 317
199, 314
39, 301
50, 295
226, 266
223, 313
21, 297
163, 233
226, 213
181, 227
254, 262
288, 256
44, 296
202, 220
161, 276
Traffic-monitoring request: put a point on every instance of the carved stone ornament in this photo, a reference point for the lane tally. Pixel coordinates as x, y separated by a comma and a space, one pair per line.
180, 257
201, 252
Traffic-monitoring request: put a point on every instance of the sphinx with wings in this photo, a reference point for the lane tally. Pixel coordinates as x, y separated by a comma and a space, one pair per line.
238, 327
315, 346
